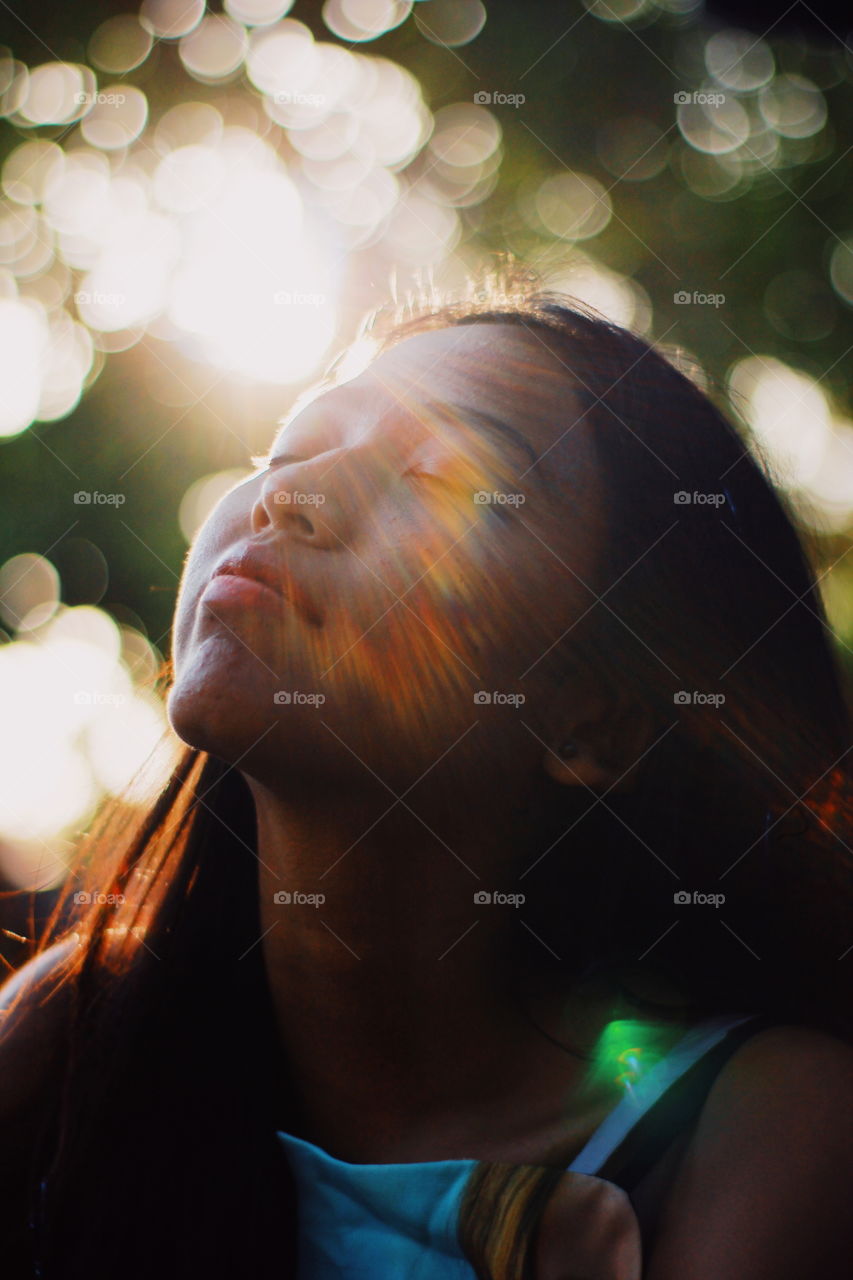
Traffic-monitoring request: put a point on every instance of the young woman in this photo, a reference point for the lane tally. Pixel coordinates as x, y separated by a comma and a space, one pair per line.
495, 921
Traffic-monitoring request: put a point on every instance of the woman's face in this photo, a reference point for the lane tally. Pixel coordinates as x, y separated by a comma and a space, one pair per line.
429, 526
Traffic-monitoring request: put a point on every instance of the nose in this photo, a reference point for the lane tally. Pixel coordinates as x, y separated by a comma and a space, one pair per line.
311, 502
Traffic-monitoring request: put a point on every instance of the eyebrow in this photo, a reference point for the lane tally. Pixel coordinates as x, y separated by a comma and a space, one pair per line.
468, 416
497, 427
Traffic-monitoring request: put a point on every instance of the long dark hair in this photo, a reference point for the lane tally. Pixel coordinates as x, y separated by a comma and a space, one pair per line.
158, 1151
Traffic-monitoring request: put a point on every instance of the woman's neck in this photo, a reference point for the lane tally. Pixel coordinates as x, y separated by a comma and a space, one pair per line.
394, 992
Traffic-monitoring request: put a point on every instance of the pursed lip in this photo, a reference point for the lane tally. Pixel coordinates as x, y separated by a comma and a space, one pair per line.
247, 563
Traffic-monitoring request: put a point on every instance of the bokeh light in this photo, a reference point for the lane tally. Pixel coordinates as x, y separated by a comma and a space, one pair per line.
269, 268
358, 20
215, 49
619, 10
220, 233
714, 127
29, 591
203, 495
117, 117
23, 343
793, 106
451, 22
738, 60
57, 92
615, 296
632, 148
80, 719
257, 13
573, 206
120, 44
841, 269
169, 19
798, 432
800, 306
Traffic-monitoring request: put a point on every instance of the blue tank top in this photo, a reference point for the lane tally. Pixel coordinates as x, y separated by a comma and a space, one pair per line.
370, 1221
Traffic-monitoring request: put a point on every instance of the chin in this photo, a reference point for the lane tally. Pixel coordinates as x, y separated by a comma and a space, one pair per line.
211, 720
188, 722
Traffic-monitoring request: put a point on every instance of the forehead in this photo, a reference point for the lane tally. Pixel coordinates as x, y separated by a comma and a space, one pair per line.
502, 368
504, 372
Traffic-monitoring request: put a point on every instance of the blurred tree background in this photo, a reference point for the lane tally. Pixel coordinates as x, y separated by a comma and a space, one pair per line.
200, 202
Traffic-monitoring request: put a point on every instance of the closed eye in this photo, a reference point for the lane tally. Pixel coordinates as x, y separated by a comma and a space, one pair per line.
500, 510
420, 474
432, 477
266, 461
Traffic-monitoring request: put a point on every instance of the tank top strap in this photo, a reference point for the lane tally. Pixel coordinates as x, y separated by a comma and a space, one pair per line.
661, 1105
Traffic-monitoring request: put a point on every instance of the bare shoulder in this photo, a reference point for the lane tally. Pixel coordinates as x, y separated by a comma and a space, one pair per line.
774, 1047
44, 967
34, 1012
792, 1070
787, 1086
763, 1187
34, 1015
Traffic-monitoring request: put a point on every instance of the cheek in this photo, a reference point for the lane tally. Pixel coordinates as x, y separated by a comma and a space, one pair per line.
182, 621
220, 531
516, 597
469, 603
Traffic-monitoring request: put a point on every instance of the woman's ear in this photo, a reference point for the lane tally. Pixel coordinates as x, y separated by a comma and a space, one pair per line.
603, 753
